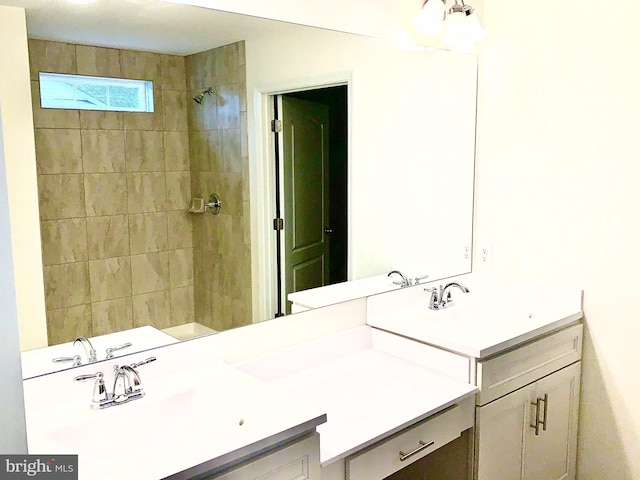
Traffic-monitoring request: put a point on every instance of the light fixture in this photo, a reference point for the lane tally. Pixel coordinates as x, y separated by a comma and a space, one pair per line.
429, 20
461, 24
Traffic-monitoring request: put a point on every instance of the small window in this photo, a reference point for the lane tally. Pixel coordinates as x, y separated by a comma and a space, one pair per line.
95, 93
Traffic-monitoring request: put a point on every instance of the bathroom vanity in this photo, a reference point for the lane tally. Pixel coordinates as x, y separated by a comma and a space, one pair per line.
354, 391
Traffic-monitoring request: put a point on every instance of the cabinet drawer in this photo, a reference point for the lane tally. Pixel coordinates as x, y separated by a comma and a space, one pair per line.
507, 372
397, 452
299, 461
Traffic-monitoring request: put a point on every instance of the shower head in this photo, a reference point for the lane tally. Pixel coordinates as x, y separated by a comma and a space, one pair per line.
200, 97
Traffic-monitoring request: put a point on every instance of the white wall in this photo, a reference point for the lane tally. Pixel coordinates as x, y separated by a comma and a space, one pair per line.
20, 160
12, 420
558, 189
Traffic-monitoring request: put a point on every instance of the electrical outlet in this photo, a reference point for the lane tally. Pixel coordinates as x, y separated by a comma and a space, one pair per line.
486, 254
467, 252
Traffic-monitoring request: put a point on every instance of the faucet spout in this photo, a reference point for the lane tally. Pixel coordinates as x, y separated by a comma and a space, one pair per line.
405, 282
88, 349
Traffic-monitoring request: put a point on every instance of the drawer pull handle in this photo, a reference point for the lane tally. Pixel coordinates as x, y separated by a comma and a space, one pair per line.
423, 445
536, 424
544, 412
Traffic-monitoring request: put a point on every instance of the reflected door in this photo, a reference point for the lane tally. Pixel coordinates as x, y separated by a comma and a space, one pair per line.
306, 193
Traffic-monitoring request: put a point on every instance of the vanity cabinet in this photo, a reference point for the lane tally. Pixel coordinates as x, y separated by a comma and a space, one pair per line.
530, 432
297, 461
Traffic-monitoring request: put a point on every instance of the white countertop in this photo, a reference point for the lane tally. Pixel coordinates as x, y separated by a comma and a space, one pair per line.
187, 424
341, 292
367, 394
483, 322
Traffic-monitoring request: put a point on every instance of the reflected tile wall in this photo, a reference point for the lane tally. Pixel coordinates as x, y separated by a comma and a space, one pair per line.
113, 191
219, 164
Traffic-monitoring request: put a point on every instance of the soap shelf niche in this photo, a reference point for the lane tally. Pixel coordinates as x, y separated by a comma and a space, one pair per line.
213, 206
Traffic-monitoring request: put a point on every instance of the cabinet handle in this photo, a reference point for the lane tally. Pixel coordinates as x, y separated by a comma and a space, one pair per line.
544, 412
536, 425
423, 445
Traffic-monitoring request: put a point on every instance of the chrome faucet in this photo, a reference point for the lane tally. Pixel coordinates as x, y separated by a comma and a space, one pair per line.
440, 297
88, 349
405, 282
127, 385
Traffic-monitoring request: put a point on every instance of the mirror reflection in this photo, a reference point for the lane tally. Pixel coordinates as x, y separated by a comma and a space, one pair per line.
124, 259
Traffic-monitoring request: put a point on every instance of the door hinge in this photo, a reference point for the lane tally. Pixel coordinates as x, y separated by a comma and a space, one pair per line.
278, 224
276, 126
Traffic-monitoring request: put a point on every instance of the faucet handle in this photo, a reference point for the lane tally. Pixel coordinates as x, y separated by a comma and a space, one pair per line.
119, 347
143, 362
75, 359
99, 390
416, 281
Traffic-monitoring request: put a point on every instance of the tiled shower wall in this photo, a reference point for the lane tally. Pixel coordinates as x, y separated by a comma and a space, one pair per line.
219, 164
113, 191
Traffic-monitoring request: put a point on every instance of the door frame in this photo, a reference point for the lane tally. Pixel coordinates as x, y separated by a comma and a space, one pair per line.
262, 185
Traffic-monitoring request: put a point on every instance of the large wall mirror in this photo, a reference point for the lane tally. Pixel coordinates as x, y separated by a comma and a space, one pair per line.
120, 248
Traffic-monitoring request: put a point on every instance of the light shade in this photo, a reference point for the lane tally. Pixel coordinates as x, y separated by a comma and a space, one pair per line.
429, 21
463, 29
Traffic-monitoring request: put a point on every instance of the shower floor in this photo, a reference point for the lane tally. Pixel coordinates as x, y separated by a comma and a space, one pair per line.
188, 330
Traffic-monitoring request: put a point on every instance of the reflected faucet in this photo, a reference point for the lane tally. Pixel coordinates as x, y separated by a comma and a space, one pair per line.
440, 297
405, 282
88, 349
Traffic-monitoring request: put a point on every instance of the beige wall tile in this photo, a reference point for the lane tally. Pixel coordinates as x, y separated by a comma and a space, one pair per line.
60, 196
146, 192
147, 120
105, 194
152, 309
58, 150
246, 194
227, 62
66, 285
148, 232
67, 324
231, 151
64, 241
228, 106
182, 306
52, 57
244, 138
108, 236
97, 120
179, 229
175, 110
144, 151
98, 61
51, 117
150, 272
212, 159
178, 190
201, 116
181, 268
176, 151
173, 72
231, 192
141, 65
103, 151
110, 278
200, 70
111, 316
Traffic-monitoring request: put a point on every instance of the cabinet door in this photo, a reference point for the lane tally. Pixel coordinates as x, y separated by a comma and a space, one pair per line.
501, 436
300, 461
551, 455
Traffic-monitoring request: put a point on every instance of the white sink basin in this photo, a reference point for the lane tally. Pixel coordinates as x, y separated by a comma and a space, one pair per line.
185, 419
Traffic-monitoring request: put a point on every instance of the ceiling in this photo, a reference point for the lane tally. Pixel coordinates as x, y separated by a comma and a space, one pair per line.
151, 25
